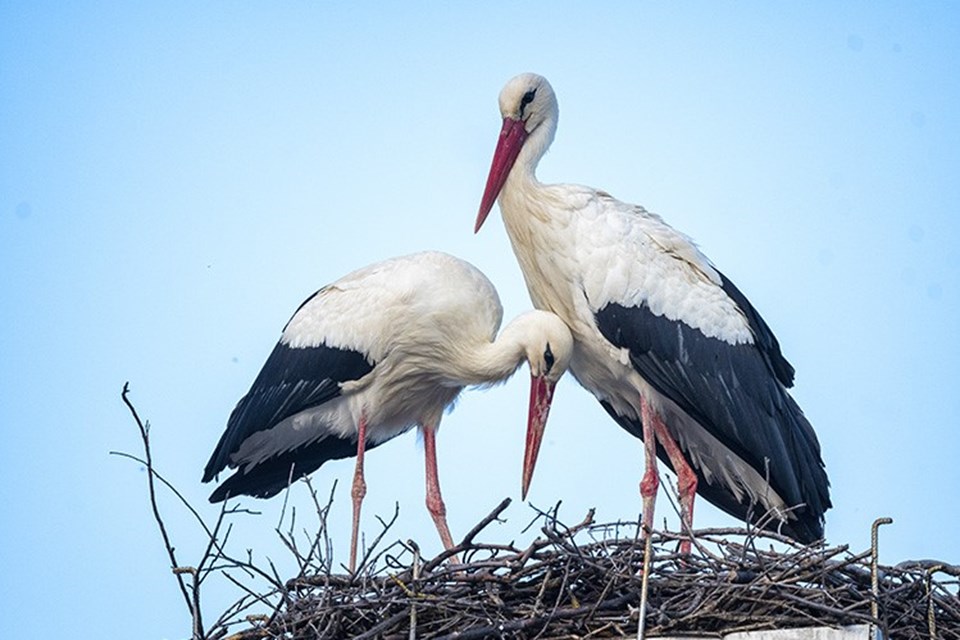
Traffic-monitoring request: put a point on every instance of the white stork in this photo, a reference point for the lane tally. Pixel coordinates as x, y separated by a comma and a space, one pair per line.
366, 358
673, 351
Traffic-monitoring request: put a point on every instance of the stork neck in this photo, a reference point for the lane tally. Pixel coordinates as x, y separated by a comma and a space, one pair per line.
522, 188
497, 360
535, 146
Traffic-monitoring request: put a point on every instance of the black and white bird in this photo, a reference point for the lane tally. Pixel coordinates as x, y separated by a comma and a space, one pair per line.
670, 347
364, 359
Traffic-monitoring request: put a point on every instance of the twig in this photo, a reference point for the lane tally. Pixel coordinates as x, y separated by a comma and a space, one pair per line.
467, 539
148, 462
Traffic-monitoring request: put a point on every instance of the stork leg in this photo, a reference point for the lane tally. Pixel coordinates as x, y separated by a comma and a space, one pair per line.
686, 479
651, 480
438, 510
359, 490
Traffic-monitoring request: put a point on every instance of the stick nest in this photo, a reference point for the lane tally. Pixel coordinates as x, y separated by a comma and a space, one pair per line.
585, 581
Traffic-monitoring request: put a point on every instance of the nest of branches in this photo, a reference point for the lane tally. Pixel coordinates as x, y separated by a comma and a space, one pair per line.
584, 581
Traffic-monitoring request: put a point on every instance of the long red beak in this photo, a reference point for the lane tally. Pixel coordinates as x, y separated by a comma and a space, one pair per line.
512, 137
541, 395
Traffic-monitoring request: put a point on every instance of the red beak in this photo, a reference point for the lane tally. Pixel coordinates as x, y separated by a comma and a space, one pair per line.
541, 394
512, 136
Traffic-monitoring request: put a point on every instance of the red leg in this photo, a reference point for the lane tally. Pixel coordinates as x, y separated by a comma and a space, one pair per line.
358, 491
650, 481
438, 510
686, 479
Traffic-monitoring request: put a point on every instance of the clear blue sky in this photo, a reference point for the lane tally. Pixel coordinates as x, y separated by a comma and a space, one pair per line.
175, 178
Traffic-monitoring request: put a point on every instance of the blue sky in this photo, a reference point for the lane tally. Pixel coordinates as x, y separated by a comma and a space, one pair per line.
175, 178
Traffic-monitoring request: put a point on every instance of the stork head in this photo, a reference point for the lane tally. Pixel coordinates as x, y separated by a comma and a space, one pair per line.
548, 352
529, 110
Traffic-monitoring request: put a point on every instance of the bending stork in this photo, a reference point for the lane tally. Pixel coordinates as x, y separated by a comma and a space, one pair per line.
365, 359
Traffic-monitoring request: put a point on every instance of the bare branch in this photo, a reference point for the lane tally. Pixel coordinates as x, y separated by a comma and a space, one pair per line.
151, 474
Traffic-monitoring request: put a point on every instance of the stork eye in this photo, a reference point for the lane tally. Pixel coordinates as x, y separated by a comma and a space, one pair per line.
548, 358
527, 99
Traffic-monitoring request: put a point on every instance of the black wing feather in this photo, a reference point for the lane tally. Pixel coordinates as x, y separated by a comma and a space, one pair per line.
738, 394
293, 379
272, 476
765, 340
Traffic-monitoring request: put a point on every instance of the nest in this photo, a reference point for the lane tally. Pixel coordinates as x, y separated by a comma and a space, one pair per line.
586, 581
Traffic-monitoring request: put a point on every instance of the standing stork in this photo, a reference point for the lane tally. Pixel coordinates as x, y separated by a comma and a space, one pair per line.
366, 358
674, 352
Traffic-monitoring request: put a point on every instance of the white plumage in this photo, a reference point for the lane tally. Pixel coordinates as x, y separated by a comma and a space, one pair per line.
368, 357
